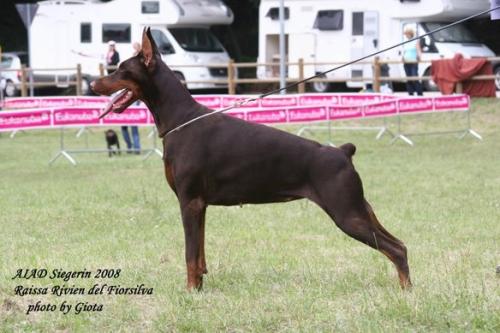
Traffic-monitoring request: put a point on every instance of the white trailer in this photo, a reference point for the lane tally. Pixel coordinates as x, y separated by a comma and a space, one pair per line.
342, 30
70, 32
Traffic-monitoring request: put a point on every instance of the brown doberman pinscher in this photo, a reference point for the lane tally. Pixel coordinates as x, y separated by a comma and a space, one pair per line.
222, 160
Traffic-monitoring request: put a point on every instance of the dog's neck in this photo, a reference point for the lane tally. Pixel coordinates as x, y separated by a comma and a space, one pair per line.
169, 101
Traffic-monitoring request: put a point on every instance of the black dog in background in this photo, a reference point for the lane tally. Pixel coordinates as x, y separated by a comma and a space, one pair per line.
112, 140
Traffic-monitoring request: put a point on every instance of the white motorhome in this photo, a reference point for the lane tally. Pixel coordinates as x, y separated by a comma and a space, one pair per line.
343, 30
70, 32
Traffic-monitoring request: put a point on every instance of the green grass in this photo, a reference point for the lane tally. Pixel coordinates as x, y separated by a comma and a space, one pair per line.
272, 268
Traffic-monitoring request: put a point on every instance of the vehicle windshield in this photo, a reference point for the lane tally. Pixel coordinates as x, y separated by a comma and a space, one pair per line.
455, 34
162, 42
196, 39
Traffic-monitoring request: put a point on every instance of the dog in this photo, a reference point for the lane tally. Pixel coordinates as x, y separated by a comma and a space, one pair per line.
112, 140
222, 160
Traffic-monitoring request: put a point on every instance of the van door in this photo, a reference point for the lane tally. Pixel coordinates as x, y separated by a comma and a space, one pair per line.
301, 45
365, 40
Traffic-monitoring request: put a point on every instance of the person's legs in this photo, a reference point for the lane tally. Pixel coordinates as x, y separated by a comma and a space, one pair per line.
409, 84
417, 84
126, 137
136, 139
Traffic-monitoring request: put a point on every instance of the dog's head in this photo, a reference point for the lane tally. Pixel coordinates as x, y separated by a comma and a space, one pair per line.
132, 78
110, 133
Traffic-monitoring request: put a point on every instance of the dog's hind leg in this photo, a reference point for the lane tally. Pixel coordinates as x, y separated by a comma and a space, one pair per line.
202, 264
364, 227
342, 199
193, 216
399, 256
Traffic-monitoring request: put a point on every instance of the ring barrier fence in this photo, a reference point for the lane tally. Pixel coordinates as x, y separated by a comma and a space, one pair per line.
307, 109
77, 78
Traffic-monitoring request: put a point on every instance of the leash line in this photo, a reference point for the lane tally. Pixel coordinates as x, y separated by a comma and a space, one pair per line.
272, 92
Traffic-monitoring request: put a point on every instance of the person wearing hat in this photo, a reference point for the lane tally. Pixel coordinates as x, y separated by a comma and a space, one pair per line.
112, 57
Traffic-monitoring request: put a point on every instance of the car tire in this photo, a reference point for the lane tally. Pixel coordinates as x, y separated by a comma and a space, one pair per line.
10, 89
86, 86
429, 85
320, 87
497, 77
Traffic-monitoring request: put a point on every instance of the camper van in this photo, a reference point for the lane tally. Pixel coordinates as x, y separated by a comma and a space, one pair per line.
342, 30
66, 33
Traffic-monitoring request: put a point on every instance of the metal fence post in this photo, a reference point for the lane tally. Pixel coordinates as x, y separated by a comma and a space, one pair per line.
78, 79
302, 86
376, 74
230, 77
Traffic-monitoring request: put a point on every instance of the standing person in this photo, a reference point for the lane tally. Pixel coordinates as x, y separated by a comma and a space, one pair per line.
112, 57
411, 54
136, 144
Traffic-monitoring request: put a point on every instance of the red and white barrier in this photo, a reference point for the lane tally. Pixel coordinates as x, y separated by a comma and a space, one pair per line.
56, 112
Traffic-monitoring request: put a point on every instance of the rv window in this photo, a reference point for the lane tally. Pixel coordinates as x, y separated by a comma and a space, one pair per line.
274, 13
357, 23
150, 7
120, 33
196, 39
86, 33
329, 20
162, 42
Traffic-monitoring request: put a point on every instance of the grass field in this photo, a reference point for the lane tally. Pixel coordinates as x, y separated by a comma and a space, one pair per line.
272, 268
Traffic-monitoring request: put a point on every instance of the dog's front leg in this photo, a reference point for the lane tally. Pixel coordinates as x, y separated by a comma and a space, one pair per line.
193, 217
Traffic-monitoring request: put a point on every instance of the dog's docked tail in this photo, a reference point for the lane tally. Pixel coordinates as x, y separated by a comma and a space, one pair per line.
349, 150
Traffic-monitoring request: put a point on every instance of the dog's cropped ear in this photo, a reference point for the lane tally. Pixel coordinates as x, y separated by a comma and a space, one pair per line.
148, 48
